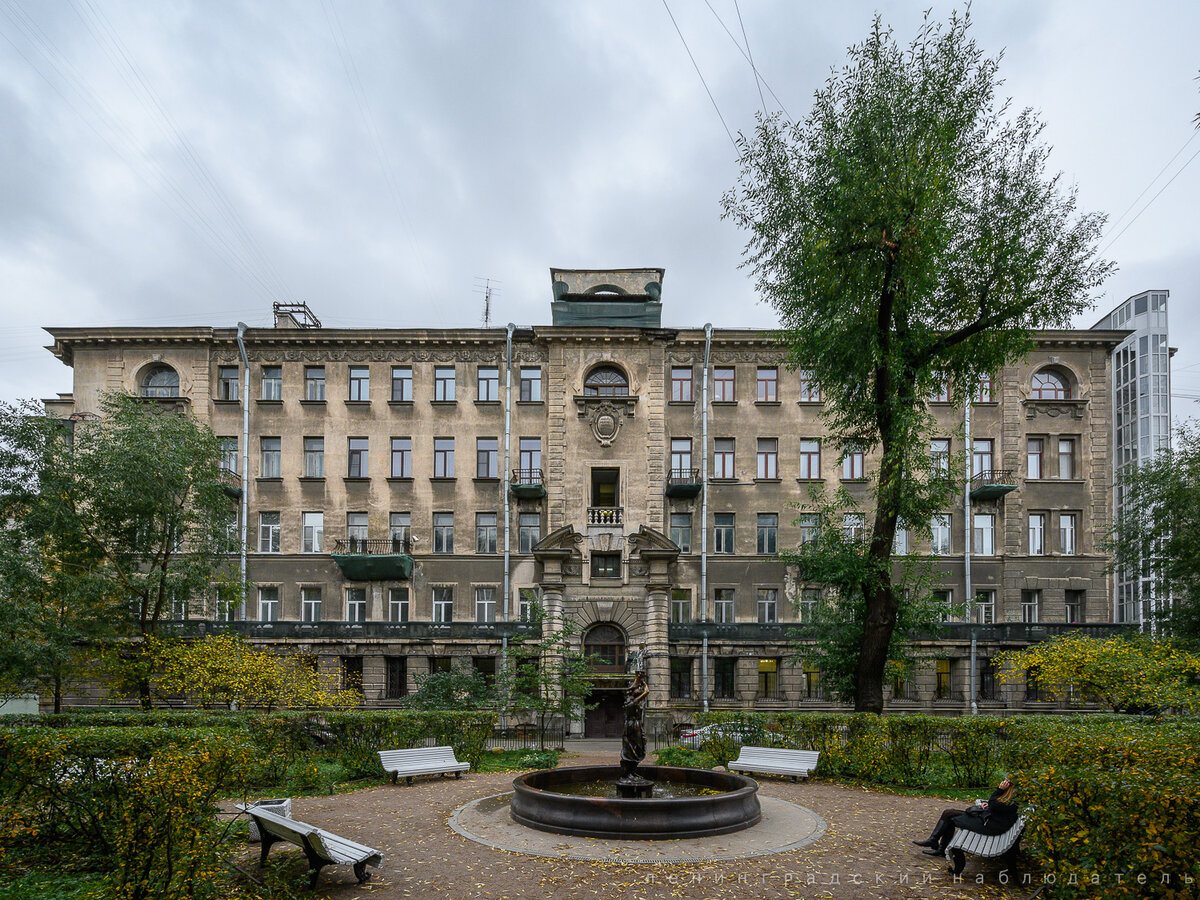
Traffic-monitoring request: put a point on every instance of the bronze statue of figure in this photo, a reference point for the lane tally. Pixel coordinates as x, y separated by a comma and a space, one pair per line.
633, 740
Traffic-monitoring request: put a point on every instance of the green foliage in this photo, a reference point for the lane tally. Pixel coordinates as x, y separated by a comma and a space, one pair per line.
685, 757
907, 232
1127, 672
1158, 532
498, 760
463, 687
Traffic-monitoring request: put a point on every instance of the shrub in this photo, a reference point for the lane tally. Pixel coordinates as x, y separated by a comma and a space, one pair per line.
685, 757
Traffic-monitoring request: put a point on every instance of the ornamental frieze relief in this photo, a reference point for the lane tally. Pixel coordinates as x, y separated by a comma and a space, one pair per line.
379, 355
1055, 409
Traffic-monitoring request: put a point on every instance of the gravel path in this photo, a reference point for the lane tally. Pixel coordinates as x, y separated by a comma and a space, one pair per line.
866, 852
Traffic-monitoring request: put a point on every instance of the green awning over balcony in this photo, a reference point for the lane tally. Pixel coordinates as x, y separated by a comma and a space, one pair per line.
374, 567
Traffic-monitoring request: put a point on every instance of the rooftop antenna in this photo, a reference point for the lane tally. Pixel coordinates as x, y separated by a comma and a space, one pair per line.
487, 287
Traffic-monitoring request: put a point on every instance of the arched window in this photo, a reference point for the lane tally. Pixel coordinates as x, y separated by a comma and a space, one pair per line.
1049, 385
606, 381
160, 381
606, 642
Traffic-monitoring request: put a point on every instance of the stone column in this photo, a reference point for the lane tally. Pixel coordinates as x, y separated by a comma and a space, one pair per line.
658, 665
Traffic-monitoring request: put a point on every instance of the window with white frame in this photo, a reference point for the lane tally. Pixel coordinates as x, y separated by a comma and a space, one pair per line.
312, 532
681, 458
810, 391
443, 457
810, 527
530, 458
485, 604
528, 599
768, 458
1066, 457
981, 456
443, 605
681, 531
443, 384
400, 531
1037, 534
723, 458
314, 457
810, 600
940, 391
443, 532
1034, 457
939, 457
487, 457
356, 605
401, 457
270, 462
310, 604
939, 544
1067, 533
854, 526
229, 455
529, 531
853, 463
268, 603
402, 391
314, 383
983, 390
272, 382
398, 604
360, 383
356, 531
531, 385
681, 605
485, 532
268, 532
722, 532
357, 459
984, 535
488, 384
768, 605
985, 607
1031, 606
768, 533
723, 610
900, 540
227, 382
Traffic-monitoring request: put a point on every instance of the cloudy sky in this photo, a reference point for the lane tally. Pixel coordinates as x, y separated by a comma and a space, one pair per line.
182, 162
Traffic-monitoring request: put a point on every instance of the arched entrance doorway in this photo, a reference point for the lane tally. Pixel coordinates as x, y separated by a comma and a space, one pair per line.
606, 643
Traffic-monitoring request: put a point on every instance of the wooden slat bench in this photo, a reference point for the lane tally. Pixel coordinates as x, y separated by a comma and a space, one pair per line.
776, 761
987, 845
322, 847
421, 761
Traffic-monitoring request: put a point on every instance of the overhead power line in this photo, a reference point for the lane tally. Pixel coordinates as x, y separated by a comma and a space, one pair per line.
746, 56
1150, 202
696, 66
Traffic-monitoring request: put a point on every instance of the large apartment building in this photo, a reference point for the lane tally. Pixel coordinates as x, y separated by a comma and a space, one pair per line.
410, 493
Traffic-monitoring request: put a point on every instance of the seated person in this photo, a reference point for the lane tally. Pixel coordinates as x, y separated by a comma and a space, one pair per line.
995, 815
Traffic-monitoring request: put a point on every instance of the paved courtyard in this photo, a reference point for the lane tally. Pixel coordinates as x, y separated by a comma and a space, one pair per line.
863, 852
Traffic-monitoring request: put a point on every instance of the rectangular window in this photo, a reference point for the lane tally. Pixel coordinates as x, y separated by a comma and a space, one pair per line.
681, 678
443, 532
606, 565
485, 532
900, 540
768, 532
487, 455
402, 457
485, 604
681, 605
357, 458
528, 600
314, 383
402, 391
229, 455
272, 382
443, 457
723, 458
485, 666
939, 544
768, 384
443, 605
1037, 534
723, 385
360, 383
310, 604
271, 458
768, 458
227, 382
400, 531
356, 531
985, 607
723, 605
1076, 606
313, 532
443, 383
984, 535
314, 457
530, 459
439, 664
768, 605
1034, 448
681, 384
768, 679
1031, 606
810, 600
356, 605
1066, 534
724, 678
853, 463
812, 681
268, 604
681, 531
983, 390
810, 391
398, 604
1066, 457
352, 672
681, 458
854, 526
529, 531
939, 457
981, 456
941, 687
810, 527
531, 385
397, 677
268, 532
722, 532
487, 384
940, 391
810, 460
945, 599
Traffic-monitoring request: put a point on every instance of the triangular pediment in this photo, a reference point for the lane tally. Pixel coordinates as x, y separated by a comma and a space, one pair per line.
646, 539
565, 539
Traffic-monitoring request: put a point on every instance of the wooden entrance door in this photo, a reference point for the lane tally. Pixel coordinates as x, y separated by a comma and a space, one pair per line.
607, 718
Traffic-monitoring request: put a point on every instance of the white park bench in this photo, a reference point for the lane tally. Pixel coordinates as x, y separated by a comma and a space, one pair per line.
421, 761
323, 848
776, 761
988, 845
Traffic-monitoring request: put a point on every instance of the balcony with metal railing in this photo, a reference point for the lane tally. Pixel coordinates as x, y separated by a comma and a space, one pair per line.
991, 484
362, 559
683, 483
606, 515
231, 482
528, 484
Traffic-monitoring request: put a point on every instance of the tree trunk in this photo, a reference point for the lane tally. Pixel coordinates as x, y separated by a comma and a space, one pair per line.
57, 693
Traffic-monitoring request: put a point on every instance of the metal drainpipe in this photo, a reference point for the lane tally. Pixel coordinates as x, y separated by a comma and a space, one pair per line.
241, 331
505, 488
969, 534
704, 513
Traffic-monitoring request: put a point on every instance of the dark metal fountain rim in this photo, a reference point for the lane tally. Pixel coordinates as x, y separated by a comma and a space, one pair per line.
746, 784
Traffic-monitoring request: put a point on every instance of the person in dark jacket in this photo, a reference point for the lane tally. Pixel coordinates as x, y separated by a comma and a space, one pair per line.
995, 815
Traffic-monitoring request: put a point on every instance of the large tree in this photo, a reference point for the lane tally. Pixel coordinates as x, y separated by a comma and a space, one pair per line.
1156, 536
907, 232
114, 524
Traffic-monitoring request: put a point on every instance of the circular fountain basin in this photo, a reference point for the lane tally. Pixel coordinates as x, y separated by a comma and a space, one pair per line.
720, 802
